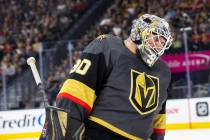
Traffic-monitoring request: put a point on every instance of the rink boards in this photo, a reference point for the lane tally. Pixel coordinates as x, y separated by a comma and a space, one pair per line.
181, 114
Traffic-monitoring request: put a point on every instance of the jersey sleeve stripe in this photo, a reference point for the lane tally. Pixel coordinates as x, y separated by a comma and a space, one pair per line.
74, 99
159, 131
113, 128
79, 91
160, 121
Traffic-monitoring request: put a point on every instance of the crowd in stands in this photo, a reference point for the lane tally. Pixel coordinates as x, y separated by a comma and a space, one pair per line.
47, 20
26, 23
179, 14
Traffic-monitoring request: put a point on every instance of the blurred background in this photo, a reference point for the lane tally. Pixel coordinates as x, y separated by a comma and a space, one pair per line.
56, 31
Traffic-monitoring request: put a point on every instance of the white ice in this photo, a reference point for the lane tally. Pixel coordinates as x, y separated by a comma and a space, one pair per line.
188, 134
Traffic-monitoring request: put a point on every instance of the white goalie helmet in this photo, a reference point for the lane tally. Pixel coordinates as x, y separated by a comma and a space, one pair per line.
152, 35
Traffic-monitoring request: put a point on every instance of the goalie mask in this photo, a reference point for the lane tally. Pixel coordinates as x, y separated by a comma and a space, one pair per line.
152, 36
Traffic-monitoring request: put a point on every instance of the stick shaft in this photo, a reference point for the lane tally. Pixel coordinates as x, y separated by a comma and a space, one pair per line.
31, 62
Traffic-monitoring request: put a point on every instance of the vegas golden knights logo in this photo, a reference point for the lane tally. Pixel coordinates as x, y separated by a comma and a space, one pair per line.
144, 92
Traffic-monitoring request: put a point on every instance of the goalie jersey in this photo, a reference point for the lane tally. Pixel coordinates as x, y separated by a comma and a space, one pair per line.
115, 94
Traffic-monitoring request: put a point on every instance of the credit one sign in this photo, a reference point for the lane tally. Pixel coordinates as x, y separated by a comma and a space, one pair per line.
197, 61
21, 121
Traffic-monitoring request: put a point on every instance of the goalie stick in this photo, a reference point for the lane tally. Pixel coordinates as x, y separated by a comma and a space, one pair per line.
52, 112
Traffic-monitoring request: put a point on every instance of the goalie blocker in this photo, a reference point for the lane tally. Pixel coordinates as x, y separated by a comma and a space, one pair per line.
57, 122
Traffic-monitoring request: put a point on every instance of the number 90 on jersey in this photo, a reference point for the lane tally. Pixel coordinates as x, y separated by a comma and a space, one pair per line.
81, 66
